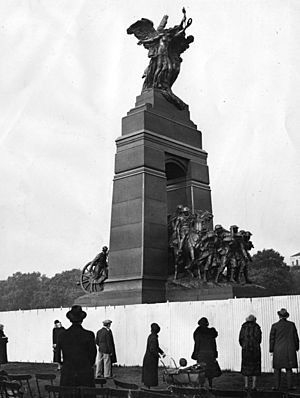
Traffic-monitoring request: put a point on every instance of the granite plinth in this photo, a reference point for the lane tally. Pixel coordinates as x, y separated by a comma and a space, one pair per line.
159, 164
125, 292
141, 291
195, 290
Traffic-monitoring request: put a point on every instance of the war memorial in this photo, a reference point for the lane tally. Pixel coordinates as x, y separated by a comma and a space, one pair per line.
163, 244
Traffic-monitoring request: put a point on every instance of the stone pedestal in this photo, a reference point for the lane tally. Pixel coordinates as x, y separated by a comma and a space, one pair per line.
159, 164
187, 289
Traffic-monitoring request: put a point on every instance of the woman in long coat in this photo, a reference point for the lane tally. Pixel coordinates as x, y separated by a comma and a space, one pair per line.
250, 340
205, 349
3, 346
150, 362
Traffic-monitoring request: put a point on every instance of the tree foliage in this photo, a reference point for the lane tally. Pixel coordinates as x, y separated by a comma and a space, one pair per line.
33, 290
268, 269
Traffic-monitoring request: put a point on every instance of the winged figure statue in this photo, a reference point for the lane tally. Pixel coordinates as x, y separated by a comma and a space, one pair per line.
164, 45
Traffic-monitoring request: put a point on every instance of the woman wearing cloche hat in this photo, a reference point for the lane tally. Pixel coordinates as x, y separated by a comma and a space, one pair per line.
250, 340
79, 351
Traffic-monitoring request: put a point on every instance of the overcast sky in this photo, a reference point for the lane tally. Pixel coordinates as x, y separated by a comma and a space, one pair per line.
69, 73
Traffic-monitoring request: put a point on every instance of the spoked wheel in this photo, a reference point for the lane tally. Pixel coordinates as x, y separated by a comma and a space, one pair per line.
88, 281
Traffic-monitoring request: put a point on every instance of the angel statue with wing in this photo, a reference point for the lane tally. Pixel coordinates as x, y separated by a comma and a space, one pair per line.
164, 48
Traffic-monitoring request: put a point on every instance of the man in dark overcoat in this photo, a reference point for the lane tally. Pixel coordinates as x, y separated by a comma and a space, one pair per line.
78, 348
3, 346
284, 343
57, 330
107, 351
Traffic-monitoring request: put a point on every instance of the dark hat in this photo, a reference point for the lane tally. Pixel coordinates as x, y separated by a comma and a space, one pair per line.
56, 321
104, 248
155, 328
203, 322
76, 314
107, 322
251, 318
283, 313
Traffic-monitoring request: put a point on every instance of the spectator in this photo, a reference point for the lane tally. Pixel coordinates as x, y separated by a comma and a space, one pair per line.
284, 343
3, 346
107, 352
57, 330
250, 340
205, 349
150, 362
78, 348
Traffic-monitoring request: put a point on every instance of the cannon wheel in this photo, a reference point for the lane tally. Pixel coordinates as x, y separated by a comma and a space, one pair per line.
89, 283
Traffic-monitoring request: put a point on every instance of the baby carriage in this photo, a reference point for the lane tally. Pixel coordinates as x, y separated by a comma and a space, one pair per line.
191, 376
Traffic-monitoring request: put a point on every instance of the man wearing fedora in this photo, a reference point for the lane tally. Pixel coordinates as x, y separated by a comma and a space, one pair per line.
284, 343
107, 352
78, 348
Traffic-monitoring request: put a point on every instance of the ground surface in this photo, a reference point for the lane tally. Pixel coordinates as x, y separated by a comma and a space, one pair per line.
227, 381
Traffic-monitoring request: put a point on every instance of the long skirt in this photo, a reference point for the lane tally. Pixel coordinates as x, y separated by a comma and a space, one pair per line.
150, 371
251, 362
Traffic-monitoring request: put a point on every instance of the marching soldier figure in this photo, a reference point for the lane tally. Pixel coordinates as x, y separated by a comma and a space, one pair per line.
209, 254
248, 245
172, 225
183, 225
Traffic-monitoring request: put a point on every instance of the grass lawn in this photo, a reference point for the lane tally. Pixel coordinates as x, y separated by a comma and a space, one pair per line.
227, 381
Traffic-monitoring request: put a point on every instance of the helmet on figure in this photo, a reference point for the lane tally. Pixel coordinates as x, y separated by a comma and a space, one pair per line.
234, 228
218, 227
104, 248
186, 209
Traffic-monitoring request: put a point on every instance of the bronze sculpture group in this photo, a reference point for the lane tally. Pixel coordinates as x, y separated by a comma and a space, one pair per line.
213, 254
164, 45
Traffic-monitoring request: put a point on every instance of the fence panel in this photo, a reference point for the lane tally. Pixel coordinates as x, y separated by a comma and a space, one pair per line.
30, 332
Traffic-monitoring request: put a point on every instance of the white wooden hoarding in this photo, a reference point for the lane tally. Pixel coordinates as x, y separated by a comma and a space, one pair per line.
30, 332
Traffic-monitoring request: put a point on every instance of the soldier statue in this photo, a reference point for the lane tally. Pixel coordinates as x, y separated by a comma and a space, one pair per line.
183, 226
247, 246
99, 266
208, 257
228, 251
